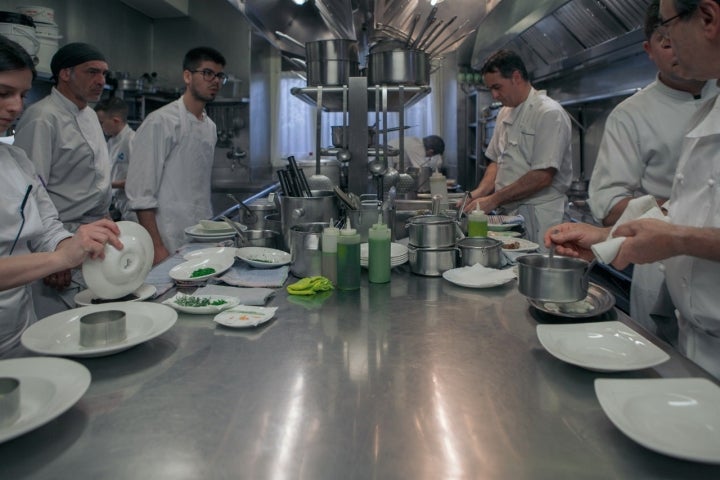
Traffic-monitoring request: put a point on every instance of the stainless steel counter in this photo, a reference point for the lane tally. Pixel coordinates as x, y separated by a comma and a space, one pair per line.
416, 379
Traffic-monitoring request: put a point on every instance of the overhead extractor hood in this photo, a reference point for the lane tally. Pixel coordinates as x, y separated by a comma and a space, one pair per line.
555, 36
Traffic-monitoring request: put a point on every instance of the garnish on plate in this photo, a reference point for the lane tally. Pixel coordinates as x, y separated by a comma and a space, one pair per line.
192, 301
201, 272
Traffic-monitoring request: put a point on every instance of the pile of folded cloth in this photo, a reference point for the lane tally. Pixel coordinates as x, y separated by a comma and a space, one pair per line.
310, 286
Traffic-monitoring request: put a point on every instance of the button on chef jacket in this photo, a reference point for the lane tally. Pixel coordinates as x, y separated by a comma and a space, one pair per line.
69, 151
42, 231
171, 160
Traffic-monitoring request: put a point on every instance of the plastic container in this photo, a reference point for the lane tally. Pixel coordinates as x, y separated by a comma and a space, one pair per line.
477, 223
379, 252
329, 252
348, 259
438, 186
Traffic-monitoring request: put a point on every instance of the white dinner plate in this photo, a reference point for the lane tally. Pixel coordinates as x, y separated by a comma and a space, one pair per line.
397, 251
679, 417
207, 252
501, 227
121, 271
208, 309
145, 291
262, 257
48, 387
523, 245
184, 271
199, 232
600, 346
245, 316
217, 226
59, 334
500, 235
478, 276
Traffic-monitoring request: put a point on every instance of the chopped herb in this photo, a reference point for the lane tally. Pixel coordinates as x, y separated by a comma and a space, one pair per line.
201, 272
191, 301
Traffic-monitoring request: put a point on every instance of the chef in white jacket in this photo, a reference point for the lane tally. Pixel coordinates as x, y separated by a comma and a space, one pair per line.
33, 242
171, 157
638, 155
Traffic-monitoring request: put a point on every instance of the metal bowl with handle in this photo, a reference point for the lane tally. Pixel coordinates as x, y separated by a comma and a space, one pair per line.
483, 250
558, 279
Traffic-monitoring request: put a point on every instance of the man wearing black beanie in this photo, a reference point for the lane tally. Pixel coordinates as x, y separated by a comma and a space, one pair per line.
63, 138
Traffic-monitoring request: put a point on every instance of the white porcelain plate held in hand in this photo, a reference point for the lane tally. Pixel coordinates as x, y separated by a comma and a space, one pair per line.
600, 346
121, 271
48, 387
678, 417
262, 257
192, 270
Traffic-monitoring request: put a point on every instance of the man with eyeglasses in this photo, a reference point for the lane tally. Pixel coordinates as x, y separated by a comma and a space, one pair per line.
171, 156
690, 243
639, 152
62, 136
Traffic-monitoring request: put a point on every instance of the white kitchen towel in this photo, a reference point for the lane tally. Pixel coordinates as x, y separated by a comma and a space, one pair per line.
637, 208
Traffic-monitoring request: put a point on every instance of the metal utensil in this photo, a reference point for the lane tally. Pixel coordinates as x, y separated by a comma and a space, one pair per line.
318, 181
405, 182
240, 241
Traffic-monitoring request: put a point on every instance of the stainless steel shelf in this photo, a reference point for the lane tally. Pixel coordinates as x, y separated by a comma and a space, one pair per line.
332, 97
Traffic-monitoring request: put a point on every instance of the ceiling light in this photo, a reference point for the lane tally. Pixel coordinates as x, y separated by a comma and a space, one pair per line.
300, 2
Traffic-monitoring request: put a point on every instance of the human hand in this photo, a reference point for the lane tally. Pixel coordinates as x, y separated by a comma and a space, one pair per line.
647, 240
575, 239
89, 241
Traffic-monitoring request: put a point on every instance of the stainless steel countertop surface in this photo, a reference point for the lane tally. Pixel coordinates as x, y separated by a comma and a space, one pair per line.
415, 379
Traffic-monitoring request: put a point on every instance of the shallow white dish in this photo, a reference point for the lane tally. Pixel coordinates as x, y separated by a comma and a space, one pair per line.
145, 291
183, 272
48, 387
678, 417
198, 231
245, 316
525, 245
262, 257
508, 233
230, 303
208, 252
121, 271
500, 227
600, 346
59, 334
478, 276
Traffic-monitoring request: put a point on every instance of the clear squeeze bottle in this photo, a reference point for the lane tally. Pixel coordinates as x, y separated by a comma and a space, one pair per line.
348, 258
477, 223
379, 252
329, 252
438, 186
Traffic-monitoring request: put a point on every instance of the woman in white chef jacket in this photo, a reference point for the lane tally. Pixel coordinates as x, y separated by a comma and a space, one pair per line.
33, 242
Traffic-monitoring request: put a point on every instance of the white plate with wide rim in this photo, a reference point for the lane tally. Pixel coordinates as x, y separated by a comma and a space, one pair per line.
198, 231
121, 271
86, 297
506, 233
230, 302
209, 252
184, 271
679, 417
523, 244
478, 276
59, 334
263, 257
600, 346
397, 251
48, 388
245, 316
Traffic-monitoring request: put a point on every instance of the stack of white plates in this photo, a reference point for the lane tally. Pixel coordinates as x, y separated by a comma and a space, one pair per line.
398, 254
212, 231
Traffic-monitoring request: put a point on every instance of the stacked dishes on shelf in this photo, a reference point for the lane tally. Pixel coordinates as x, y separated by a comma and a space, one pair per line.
47, 34
398, 254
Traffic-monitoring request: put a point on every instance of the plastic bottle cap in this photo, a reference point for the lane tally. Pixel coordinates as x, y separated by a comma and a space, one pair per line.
331, 230
348, 230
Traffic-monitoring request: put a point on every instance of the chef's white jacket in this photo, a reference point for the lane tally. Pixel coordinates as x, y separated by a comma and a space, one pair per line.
532, 136
695, 201
415, 154
119, 149
69, 151
41, 231
171, 160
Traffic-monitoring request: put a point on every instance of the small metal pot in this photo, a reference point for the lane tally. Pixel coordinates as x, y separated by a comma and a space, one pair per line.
431, 262
331, 62
485, 251
306, 249
432, 231
398, 67
262, 238
560, 279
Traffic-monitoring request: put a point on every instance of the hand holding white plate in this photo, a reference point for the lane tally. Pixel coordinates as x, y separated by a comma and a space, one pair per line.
201, 268
121, 271
201, 304
262, 257
245, 316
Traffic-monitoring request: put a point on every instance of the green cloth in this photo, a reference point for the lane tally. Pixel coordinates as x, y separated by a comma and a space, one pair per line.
310, 286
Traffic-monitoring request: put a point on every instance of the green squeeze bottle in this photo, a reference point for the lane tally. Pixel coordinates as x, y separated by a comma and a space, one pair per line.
477, 223
329, 252
348, 259
379, 252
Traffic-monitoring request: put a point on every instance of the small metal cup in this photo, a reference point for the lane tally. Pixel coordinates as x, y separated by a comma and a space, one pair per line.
9, 401
102, 328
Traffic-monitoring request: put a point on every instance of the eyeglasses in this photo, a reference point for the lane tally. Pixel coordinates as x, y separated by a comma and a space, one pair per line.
208, 75
665, 23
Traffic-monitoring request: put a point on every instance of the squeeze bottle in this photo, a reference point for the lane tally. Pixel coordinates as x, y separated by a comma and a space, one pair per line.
329, 240
379, 252
438, 186
477, 223
348, 258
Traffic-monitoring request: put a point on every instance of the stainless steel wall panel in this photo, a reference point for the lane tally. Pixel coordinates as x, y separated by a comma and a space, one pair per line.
551, 40
630, 14
589, 21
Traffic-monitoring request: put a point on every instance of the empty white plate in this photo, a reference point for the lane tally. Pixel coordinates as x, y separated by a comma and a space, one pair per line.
600, 346
121, 271
191, 270
679, 417
207, 252
263, 257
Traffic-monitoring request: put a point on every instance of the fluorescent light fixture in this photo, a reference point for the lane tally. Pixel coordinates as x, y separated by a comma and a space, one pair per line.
300, 2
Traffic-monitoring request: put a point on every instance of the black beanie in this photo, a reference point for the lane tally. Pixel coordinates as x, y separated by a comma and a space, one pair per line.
74, 54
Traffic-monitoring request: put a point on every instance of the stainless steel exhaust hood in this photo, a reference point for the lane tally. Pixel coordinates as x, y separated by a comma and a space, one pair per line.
554, 36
